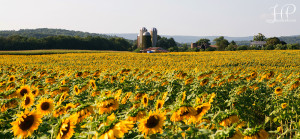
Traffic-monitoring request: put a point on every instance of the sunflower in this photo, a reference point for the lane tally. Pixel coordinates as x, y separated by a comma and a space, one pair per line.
67, 126
164, 83
83, 112
50, 80
165, 94
10, 86
95, 93
211, 98
113, 78
108, 105
124, 100
97, 73
241, 90
78, 74
62, 98
77, 90
294, 85
11, 79
69, 106
204, 82
28, 101
145, 100
58, 111
283, 105
229, 121
26, 123
45, 106
200, 111
159, 104
141, 113
23, 90
7, 104
138, 96
117, 95
35, 92
64, 88
189, 81
116, 129
183, 113
278, 91
261, 134
153, 123
93, 84
213, 85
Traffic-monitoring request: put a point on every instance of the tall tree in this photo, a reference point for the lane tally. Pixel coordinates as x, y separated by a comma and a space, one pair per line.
203, 43
259, 37
221, 42
273, 41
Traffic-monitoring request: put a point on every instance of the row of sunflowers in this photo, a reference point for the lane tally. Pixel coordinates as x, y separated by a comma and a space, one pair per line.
40, 100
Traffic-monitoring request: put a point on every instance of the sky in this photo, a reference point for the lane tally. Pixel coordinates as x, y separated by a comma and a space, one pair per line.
234, 18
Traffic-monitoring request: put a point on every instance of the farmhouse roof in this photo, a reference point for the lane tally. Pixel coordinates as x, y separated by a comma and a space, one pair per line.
258, 43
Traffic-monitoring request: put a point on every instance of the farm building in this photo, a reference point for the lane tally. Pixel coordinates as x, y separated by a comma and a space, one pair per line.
154, 50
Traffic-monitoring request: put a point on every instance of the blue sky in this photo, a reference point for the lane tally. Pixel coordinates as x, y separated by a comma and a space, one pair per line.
171, 17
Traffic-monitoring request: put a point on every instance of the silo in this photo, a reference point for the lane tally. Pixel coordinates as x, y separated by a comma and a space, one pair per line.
142, 31
146, 41
154, 36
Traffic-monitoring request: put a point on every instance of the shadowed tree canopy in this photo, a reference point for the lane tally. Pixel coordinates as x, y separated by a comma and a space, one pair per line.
166, 43
259, 37
64, 42
221, 42
274, 41
203, 43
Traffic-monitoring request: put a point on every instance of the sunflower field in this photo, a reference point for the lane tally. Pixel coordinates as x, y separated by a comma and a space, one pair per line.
242, 94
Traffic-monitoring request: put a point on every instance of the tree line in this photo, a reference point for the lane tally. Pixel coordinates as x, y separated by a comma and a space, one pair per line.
222, 44
17, 42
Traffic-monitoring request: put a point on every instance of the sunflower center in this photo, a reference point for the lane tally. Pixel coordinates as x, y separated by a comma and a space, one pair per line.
76, 89
27, 100
108, 105
184, 113
152, 121
11, 79
145, 100
199, 110
33, 92
65, 132
23, 92
27, 123
278, 90
45, 106
79, 74
158, 106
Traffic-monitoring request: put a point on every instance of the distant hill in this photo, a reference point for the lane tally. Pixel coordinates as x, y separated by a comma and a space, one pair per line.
45, 32
184, 39
190, 39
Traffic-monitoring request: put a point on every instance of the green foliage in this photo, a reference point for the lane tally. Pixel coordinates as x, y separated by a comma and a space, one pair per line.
259, 37
242, 47
221, 42
203, 43
63, 42
166, 43
273, 41
231, 47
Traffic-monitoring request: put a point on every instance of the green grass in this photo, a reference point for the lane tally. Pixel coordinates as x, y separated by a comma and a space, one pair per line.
55, 51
